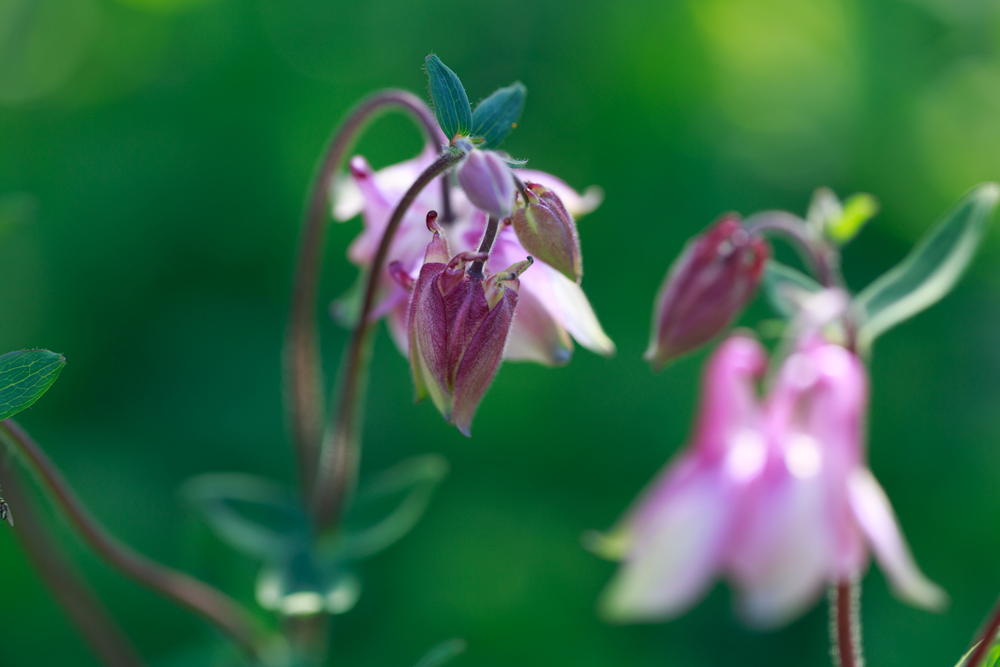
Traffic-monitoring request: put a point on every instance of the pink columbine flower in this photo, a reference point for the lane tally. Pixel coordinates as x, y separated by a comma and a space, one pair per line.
458, 325
551, 307
773, 495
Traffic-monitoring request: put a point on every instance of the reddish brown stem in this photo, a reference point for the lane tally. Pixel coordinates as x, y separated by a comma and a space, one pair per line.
845, 624
211, 604
304, 392
986, 638
341, 452
64, 582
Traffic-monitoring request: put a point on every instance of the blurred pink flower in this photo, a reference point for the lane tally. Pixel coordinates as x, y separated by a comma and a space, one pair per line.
551, 307
775, 496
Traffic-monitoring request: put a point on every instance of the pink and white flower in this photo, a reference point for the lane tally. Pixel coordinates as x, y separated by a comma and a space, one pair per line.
773, 495
552, 309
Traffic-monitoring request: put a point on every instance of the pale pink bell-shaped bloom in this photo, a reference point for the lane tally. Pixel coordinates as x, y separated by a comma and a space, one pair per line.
551, 308
774, 496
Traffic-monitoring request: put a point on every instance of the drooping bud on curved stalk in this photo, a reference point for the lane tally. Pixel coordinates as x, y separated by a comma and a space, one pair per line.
487, 182
458, 327
548, 232
715, 277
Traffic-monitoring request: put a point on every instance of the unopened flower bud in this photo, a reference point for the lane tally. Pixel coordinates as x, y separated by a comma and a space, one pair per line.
487, 182
547, 231
458, 327
705, 289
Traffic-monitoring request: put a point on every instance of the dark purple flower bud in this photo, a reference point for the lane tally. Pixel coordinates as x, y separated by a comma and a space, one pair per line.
548, 231
487, 182
458, 327
705, 289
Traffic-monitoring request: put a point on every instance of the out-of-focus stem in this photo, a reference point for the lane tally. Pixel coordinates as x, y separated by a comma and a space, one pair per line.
845, 624
211, 604
77, 599
304, 393
986, 638
819, 255
341, 452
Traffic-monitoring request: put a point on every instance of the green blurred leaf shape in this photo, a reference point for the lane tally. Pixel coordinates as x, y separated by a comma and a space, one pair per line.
24, 377
991, 659
388, 506
451, 104
256, 516
497, 115
443, 653
931, 269
784, 287
306, 584
857, 210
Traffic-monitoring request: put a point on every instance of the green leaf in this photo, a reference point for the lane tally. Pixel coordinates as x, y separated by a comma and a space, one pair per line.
305, 584
497, 115
857, 210
990, 659
255, 516
451, 104
931, 269
388, 506
24, 377
443, 653
785, 287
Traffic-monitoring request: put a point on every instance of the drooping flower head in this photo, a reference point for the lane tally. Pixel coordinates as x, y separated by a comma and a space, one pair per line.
775, 495
458, 324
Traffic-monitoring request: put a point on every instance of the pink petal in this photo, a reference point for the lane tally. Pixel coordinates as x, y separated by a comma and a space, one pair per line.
675, 553
536, 335
577, 204
874, 515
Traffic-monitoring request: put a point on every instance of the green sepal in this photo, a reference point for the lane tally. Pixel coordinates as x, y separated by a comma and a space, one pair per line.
451, 104
24, 377
783, 285
254, 515
932, 268
497, 115
857, 210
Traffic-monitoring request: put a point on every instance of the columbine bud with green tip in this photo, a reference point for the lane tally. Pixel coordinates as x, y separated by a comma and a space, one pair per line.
715, 277
548, 232
458, 327
487, 181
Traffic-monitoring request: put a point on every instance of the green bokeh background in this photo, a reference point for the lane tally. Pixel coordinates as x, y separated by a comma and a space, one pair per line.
168, 143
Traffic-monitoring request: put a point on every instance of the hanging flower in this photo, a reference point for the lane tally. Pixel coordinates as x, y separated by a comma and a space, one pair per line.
774, 495
552, 309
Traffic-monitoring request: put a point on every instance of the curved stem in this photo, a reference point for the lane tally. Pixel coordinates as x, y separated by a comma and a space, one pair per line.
196, 596
340, 453
986, 638
304, 393
77, 599
817, 254
845, 624
476, 268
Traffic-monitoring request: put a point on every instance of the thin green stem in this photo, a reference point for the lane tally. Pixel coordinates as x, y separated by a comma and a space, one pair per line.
91, 618
210, 603
340, 454
986, 638
303, 378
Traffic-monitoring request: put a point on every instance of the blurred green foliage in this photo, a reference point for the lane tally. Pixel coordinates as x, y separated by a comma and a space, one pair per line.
166, 146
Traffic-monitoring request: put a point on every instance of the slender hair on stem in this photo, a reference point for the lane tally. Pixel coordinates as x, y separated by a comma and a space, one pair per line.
304, 392
845, 624
986, 638
210, 603
341, 451
89, 615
